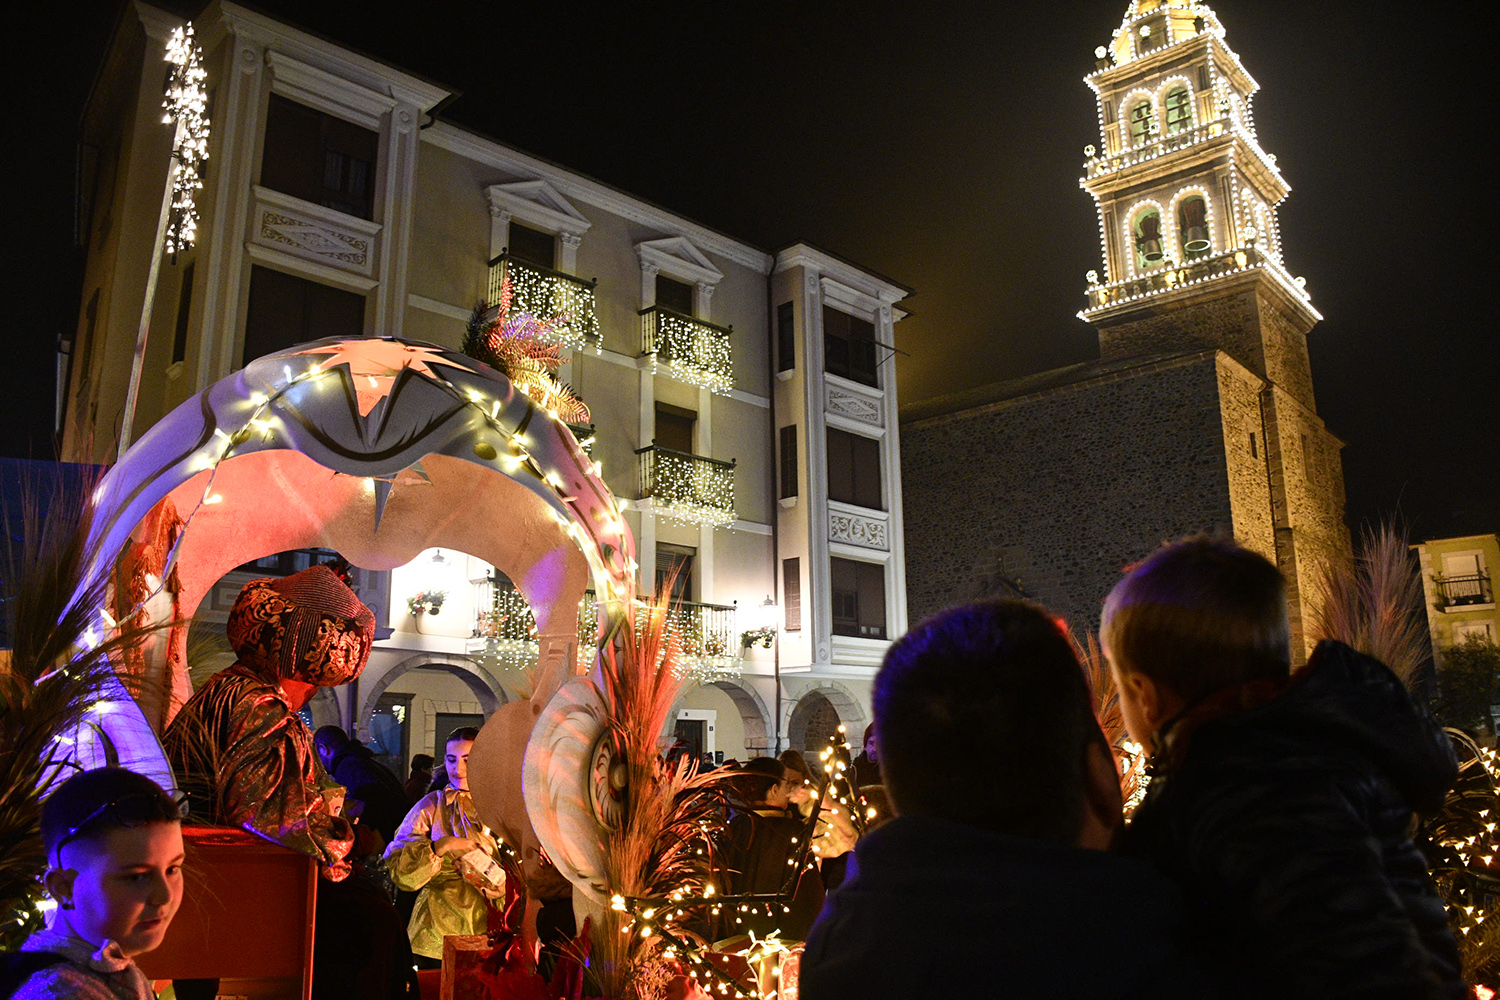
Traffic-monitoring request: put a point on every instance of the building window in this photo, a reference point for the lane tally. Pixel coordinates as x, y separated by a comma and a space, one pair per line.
1192, 227
854, 469
674, 428
789, 461
1307, 456
786, 338
286, 310
1254, 452
791, 594
858, 598
1179, 110
674, 295
849, 346
1142, 123
184, 306
319, 158
1149, 247
675, 563
532, 245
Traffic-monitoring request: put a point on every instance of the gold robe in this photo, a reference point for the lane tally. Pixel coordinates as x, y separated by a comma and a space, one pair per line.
447, 904
248, 761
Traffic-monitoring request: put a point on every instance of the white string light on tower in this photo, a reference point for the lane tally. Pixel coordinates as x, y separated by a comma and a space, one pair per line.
186, 103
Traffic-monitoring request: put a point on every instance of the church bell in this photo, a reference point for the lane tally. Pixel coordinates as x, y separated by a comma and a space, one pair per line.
1196, 239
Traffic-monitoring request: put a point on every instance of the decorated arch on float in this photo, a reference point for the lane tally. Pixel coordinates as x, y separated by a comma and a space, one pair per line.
376, 448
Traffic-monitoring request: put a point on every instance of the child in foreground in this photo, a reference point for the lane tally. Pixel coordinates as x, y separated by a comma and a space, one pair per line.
114, 850
1281, 802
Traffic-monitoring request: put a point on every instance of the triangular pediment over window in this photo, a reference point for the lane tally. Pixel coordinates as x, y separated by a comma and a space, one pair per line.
537, 203
676, 256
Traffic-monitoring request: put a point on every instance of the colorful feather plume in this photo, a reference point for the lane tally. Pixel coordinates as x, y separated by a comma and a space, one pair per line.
522, 347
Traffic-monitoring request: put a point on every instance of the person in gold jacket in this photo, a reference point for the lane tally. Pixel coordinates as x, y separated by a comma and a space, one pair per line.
431, 853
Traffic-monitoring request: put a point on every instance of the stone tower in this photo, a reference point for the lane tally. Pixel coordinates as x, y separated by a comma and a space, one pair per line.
1192, 251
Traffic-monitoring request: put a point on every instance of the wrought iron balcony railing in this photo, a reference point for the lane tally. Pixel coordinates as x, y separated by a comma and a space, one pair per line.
1457, 592
705, 633
693, 351
584, 435
545, 293
687, 487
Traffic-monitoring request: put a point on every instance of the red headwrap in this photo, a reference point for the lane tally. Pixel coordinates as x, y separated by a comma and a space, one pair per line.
307, 627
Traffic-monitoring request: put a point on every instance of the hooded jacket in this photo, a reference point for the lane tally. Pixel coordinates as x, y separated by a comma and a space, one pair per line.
1285, 815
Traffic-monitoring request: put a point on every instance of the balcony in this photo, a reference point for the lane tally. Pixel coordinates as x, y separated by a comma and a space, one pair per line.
545, 293
687, 487
1459, 593
1171, 277
708, 643
1154, 147
693, 351
584, 435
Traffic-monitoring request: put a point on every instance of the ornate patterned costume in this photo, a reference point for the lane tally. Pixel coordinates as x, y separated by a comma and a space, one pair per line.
448, 904
241, 749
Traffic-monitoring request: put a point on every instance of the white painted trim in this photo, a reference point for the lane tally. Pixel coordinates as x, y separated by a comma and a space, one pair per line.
320, 89
310, 269
441, 308
850, 300
819, 263
753, 527
677, 257
576, 186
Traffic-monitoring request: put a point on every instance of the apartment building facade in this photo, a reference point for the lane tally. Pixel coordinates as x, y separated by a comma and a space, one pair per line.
743, 402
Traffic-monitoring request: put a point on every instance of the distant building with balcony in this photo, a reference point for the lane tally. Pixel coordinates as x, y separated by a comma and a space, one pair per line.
1199, 414
1458, 583
742, 401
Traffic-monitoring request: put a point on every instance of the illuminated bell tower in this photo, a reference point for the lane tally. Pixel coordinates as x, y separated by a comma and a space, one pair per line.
1192, 252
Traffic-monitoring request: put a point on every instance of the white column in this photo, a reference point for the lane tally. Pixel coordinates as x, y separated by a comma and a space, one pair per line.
567, 260
221, 271
399, 170
499, 229
817, 599
703, 302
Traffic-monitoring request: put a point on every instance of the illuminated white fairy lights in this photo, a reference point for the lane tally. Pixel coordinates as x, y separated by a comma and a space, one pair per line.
186, 103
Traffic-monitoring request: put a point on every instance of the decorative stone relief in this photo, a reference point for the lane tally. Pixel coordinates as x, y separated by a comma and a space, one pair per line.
855, 407
319, 241
854, 529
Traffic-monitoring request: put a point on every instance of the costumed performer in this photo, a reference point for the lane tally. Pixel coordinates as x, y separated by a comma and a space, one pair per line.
446, 851
246, 755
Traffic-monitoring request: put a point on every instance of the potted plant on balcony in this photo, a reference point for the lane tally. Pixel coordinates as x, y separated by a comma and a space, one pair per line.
426, 602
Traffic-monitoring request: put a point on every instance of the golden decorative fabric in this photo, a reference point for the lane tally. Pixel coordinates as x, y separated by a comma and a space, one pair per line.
243, 753
447, 904
248, 761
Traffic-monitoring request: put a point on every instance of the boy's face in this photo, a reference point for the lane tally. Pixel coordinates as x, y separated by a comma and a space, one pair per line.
1132, 706
457, 760
124, 886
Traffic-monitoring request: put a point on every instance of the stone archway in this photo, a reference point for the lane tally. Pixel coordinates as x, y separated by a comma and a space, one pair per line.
752, 712
819, 712
487, 690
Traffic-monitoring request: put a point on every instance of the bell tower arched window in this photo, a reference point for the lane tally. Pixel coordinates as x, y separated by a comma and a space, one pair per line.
1192, 226
1179, 105
1142, 123
1150, 248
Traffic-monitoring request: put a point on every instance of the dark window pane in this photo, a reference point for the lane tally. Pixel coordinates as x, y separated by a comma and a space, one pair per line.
786, 342
674, 428
532, 245
789, 461
849, 346
286, 310
318, 158
674, 295
184, 307
678, 560
791, 593
854, 469
858, 598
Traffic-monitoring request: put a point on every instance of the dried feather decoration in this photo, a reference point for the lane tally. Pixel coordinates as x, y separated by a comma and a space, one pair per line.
523, 348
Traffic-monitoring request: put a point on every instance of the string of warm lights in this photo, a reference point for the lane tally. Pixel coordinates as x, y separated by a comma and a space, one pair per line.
186, 103
688, 488
540, 293
694, 351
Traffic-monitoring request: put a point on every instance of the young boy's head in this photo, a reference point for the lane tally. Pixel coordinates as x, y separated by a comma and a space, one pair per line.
114, 847
983, 717
1195, 617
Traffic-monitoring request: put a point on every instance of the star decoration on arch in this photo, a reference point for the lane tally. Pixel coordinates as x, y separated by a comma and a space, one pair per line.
374, 364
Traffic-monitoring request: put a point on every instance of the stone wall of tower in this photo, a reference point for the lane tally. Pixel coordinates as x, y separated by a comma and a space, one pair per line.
1064, 488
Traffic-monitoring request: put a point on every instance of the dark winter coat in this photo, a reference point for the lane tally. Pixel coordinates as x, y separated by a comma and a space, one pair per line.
756, 857
933, 908
371, 782
1287, 826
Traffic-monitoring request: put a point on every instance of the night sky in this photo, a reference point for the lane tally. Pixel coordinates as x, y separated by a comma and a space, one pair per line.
939, 145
